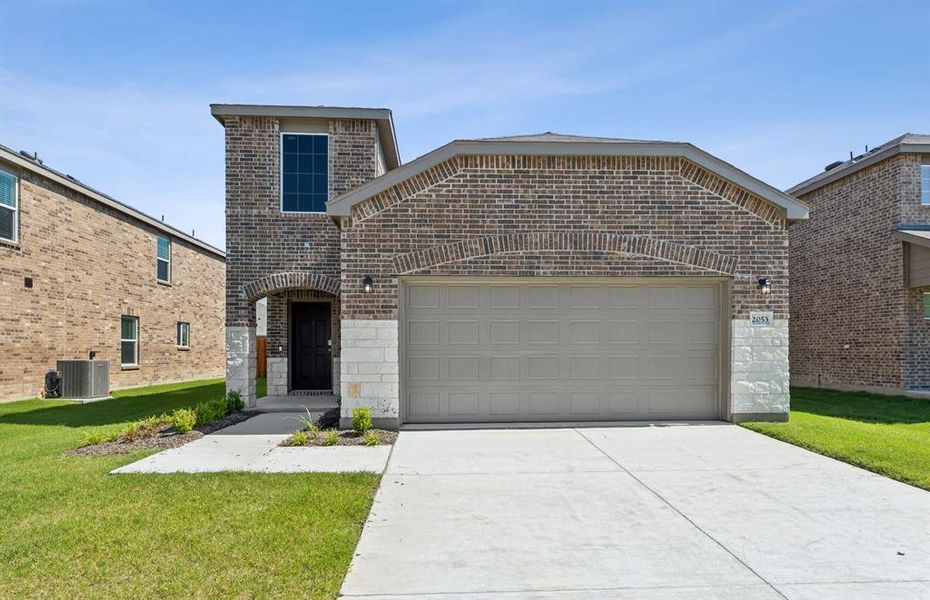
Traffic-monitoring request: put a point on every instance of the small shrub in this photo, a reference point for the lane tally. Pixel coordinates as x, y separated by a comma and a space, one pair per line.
370, 438
92, 438
234, 402
210, 411
141, 429
330, 437
299, 438
183, 420
361, 420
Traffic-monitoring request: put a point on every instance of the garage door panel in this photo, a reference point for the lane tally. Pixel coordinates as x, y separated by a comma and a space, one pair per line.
423, 333
584, 332
492, 351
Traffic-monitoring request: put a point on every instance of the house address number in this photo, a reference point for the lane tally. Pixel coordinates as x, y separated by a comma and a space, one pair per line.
760, 319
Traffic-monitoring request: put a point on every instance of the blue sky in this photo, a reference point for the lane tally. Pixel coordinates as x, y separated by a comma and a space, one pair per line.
117, 94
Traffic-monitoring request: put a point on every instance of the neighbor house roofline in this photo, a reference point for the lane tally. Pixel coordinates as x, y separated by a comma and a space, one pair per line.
31, 164
914, 234
909, 143
382, 116
554, 145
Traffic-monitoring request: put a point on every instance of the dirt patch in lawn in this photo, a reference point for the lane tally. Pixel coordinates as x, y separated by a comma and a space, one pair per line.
166, 437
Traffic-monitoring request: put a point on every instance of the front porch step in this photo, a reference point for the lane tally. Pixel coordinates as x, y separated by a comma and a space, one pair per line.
298, 403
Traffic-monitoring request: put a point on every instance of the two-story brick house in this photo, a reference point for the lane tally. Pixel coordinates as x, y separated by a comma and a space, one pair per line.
534, 278
81, 272
860, 272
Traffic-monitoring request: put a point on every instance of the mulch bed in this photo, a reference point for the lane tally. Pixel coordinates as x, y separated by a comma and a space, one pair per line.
350, 438
330, 420
167, 437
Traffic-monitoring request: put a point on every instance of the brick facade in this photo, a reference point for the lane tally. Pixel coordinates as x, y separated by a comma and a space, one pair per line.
483, 215
285, 256
90, 264
558, 217
563, 216
261, 240
854, 322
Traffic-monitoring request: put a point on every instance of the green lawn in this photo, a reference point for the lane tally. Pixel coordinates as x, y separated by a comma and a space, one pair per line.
885, 434
67, 529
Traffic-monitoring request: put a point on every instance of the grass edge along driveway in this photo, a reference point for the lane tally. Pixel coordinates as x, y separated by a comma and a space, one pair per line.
69, 529
889, 435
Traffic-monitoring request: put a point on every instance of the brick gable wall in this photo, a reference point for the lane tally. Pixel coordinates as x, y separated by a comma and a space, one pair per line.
91, 264
481, 197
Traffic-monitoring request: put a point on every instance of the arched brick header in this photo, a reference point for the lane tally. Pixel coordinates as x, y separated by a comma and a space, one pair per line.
294, 280
573, 241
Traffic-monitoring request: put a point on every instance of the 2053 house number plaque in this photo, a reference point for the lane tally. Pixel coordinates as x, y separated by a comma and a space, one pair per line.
761, 319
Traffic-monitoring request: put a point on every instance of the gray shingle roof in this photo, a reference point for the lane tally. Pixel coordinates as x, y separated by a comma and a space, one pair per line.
11, 156
909, 142
548, 136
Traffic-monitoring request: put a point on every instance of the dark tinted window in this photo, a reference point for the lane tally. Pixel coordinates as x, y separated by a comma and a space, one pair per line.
305, 172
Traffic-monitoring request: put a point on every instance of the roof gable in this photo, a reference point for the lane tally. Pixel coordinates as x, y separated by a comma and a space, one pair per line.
549, 144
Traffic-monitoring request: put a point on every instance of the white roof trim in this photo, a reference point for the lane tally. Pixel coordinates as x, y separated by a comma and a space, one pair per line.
59, 178
386, 133
919, 237
341, 206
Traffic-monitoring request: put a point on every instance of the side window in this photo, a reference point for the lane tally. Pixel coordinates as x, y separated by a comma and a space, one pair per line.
129, 341
9, 207
925, 185
163, 260
927, 306
304, 172
184, 334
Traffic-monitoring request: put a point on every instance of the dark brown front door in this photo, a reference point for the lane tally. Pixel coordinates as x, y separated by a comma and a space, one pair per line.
311, 357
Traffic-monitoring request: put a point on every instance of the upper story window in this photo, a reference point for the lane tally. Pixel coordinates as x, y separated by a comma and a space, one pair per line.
163, 260
304, 172
9, 207
925, 185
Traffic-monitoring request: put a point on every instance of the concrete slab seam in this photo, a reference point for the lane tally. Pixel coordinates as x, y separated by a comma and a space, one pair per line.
683, 515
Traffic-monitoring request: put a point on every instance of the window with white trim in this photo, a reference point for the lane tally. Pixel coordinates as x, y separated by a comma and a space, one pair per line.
163, 260
927, 306
9, 207
129, 341
184, 334
304, 172
925, 185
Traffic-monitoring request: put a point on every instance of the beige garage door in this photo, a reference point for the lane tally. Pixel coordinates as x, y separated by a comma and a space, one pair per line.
564, 350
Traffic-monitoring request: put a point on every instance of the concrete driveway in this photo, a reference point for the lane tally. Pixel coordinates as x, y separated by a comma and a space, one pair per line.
680, 511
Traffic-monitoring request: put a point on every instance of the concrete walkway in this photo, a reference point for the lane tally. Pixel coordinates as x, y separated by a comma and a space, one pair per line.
254, 445
699, 511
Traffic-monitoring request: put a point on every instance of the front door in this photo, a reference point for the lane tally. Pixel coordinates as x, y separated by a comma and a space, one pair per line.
311, 357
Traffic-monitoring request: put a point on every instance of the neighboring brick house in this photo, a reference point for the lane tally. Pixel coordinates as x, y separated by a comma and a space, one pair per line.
860, 271
80, 271
534, 278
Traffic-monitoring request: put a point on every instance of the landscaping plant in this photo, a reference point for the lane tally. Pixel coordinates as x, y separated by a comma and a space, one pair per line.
299, 438
330, 437
211, 410
141, 429
361, 420
183, 420
234, 402
370, 438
